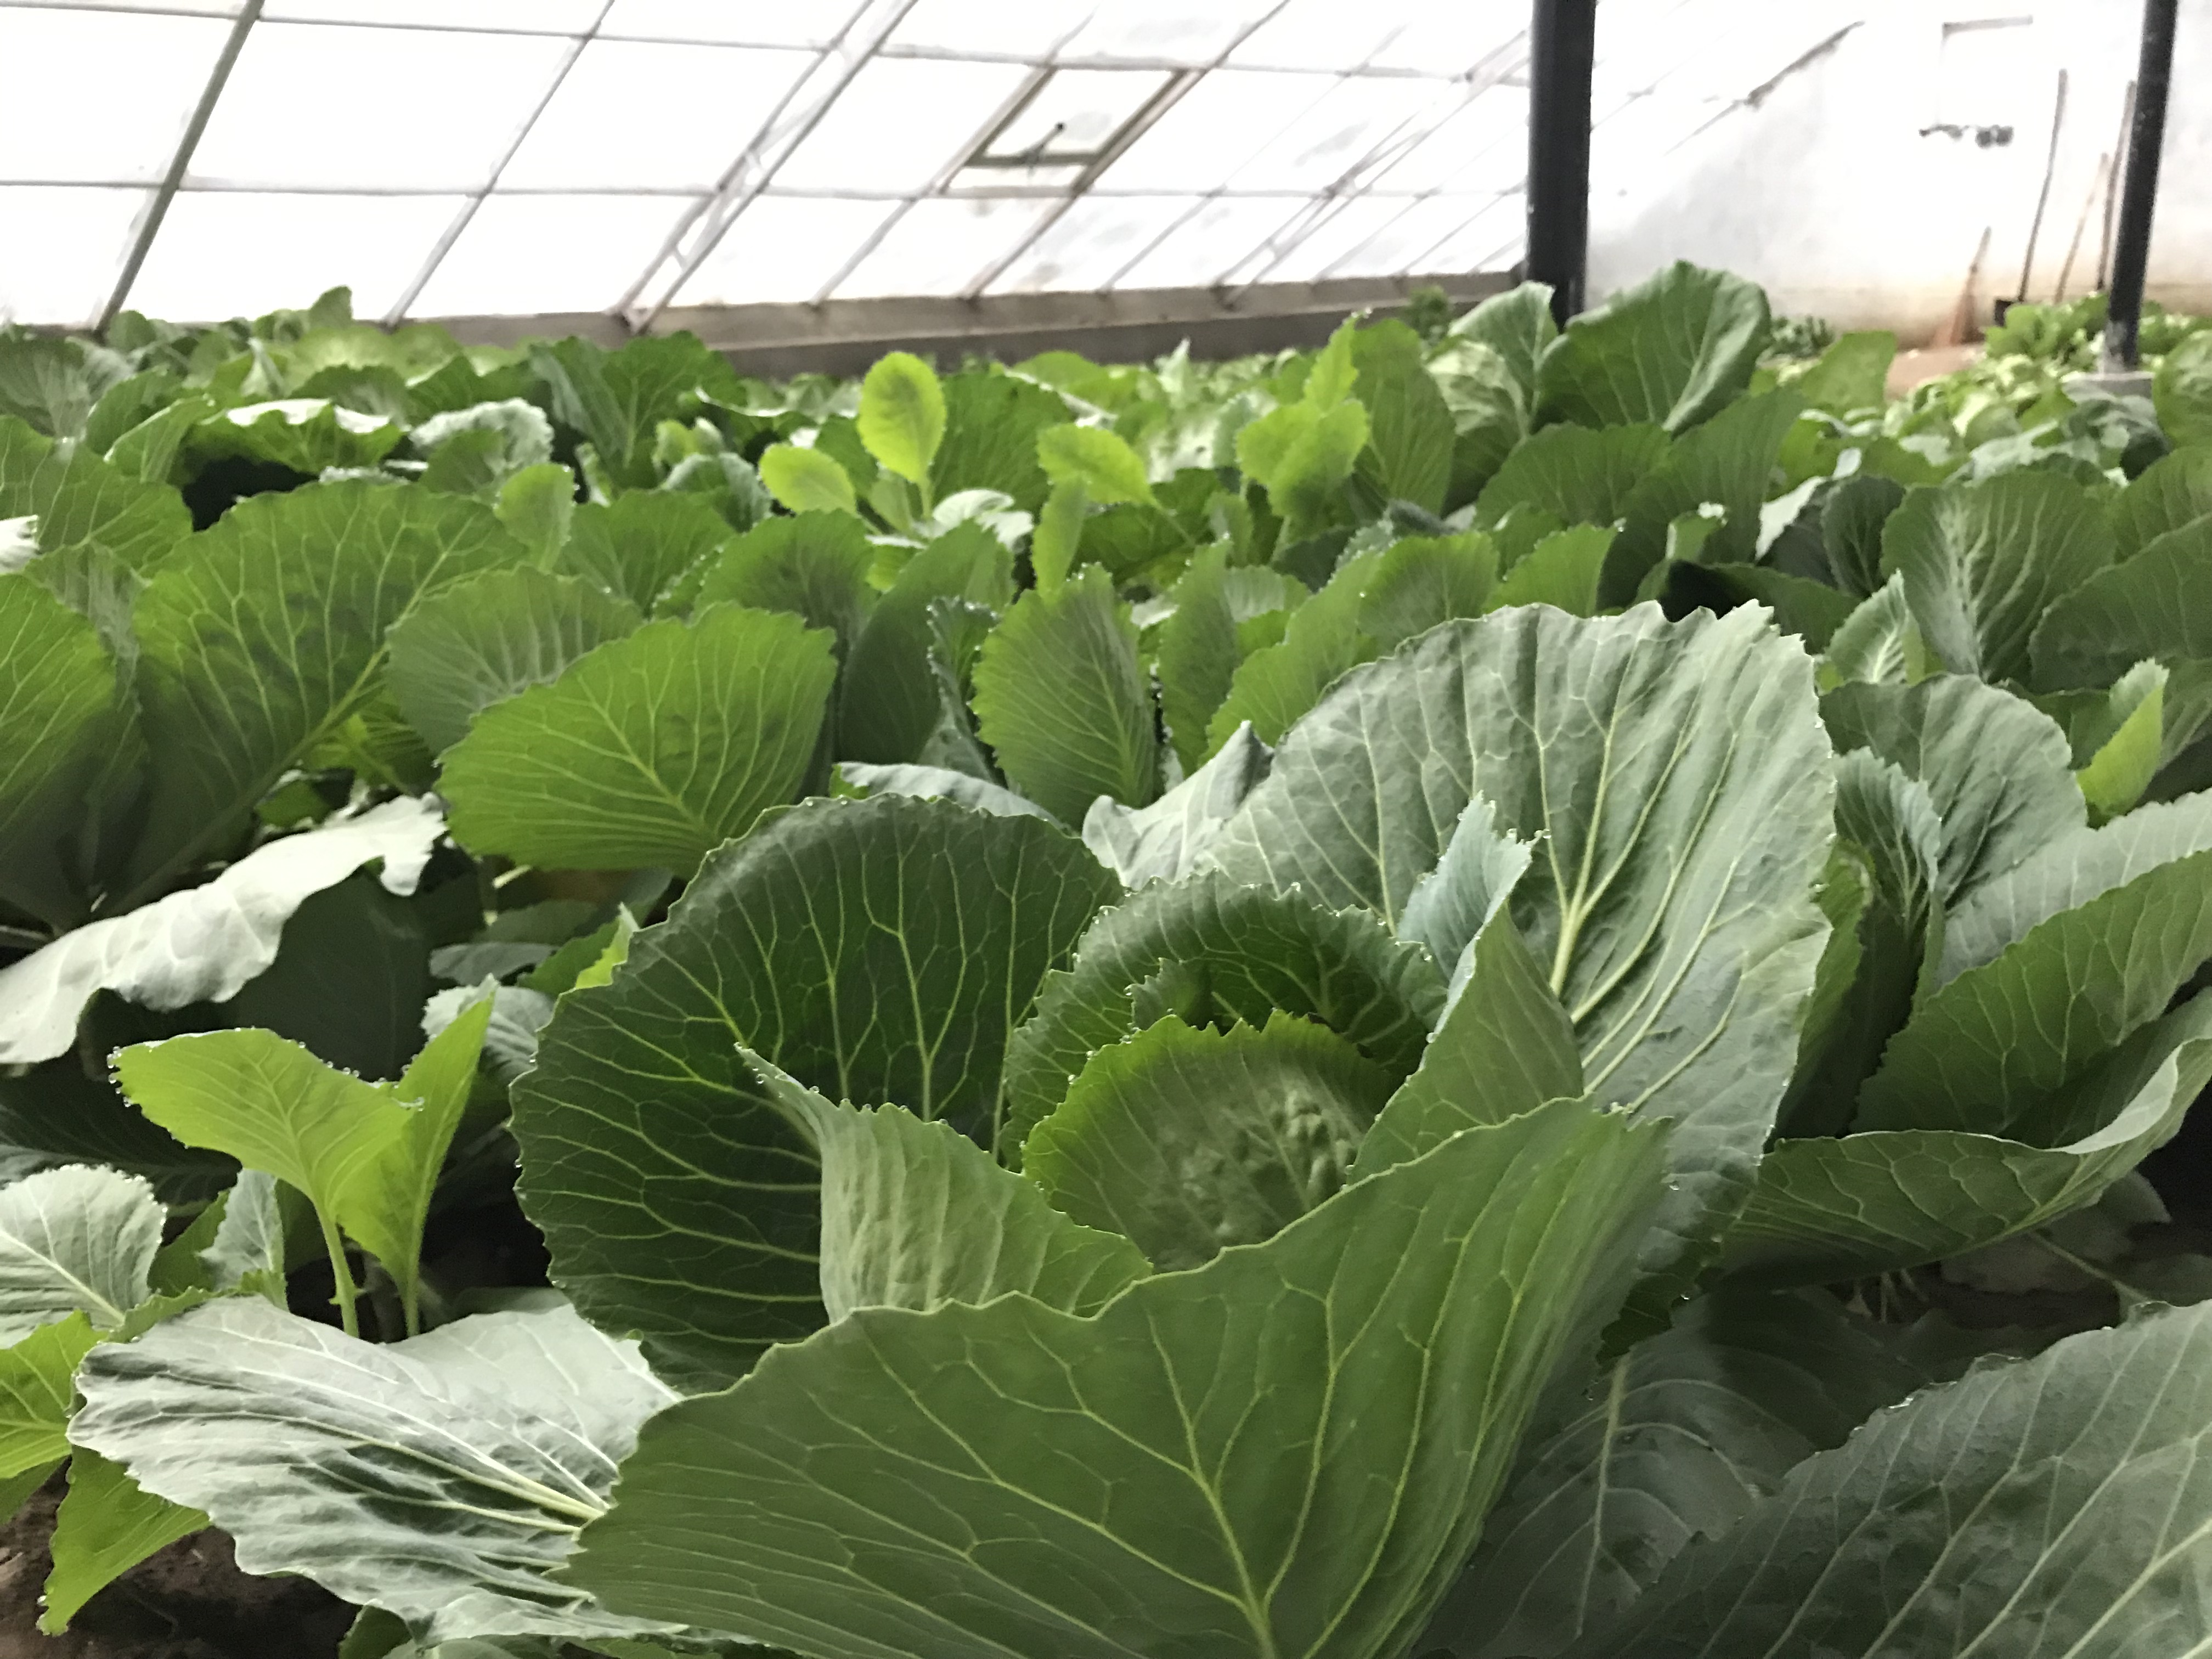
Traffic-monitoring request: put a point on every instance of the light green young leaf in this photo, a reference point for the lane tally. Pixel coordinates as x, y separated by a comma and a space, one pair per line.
2123, 765
1166, 841
807, 480
1672, 351
2070, 1518
1186, 1140
81, 501
1682, 784
106, 1525
485, 640
1060, 698
1222, 614
536, 505
2152, 605
1578, 476
1098, 460
878, 950
442, 1478
651, 750
890, 705
2181, 391
1422, 580
1302, 456
1729, 463
1320, 1339
204, 943
1982, 564
902, 418
1677, 1440
75, 1240
1877, 642
616, 399
266, 631
1273, 686
38, 1394
1410, 429
1851, 374
1212, 951
1058, 543
916, 1215
1563, 570
272, 1106
643, 545
991, 419
1831, 1209
475, 451
385, 1202
60, 715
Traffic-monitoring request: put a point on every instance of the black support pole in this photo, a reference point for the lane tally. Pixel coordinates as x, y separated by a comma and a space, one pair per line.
2131, 250
1562, 47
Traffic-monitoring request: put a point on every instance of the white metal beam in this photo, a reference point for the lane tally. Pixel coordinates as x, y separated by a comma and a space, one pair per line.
181, 161
467, 210
796, 115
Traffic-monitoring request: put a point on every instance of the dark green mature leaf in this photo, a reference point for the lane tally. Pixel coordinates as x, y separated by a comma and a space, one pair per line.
1998, 769
1877, 644
991, 420
75, 1240
1729, 461
1186, 1140
814, 566
1678, 1439
202, 944
1826, 1210
1982, 564
1672, 352
81, 501
348, 983
939, 783
1061, 700
1577, 475
1409, 426
2174, 490
304, 433
916, 1215
441, 1478
641, 546
485, 640
266, 631
1810, 609
2050, 1505
889, 705
617, 399
1160, 1473
651, 750
1222, 616
1212, 951
2048, 967
1423, 580
1679, 779
60, 713
880, 950
1852, 521
55, 1114
2155, 604
52, 383
2181, 391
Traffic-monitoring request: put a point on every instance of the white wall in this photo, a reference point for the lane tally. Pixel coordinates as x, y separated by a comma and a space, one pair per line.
1827, 192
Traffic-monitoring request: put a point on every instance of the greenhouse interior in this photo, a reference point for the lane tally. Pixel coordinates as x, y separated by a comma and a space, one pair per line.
1105, 829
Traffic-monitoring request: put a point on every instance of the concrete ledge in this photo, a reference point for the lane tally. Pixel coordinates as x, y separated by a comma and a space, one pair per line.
843, 337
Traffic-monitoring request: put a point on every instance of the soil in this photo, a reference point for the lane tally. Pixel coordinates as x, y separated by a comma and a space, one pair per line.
187, 1601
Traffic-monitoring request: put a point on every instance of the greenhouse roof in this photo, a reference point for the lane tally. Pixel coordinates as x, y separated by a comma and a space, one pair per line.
521, 157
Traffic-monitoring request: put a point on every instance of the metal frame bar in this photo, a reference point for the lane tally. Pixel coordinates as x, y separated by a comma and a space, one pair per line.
1385, 153
467, 212
1562, 54
179, 162
2131, 247
1036, 77
781, 192
867, 27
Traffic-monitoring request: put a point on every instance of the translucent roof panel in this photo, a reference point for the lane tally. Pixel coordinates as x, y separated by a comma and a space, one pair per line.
470, 157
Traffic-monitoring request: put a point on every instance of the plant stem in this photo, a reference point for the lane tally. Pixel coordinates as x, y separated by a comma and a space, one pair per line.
344, 1292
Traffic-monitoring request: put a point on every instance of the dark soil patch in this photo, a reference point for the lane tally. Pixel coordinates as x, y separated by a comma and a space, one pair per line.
187, 1601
